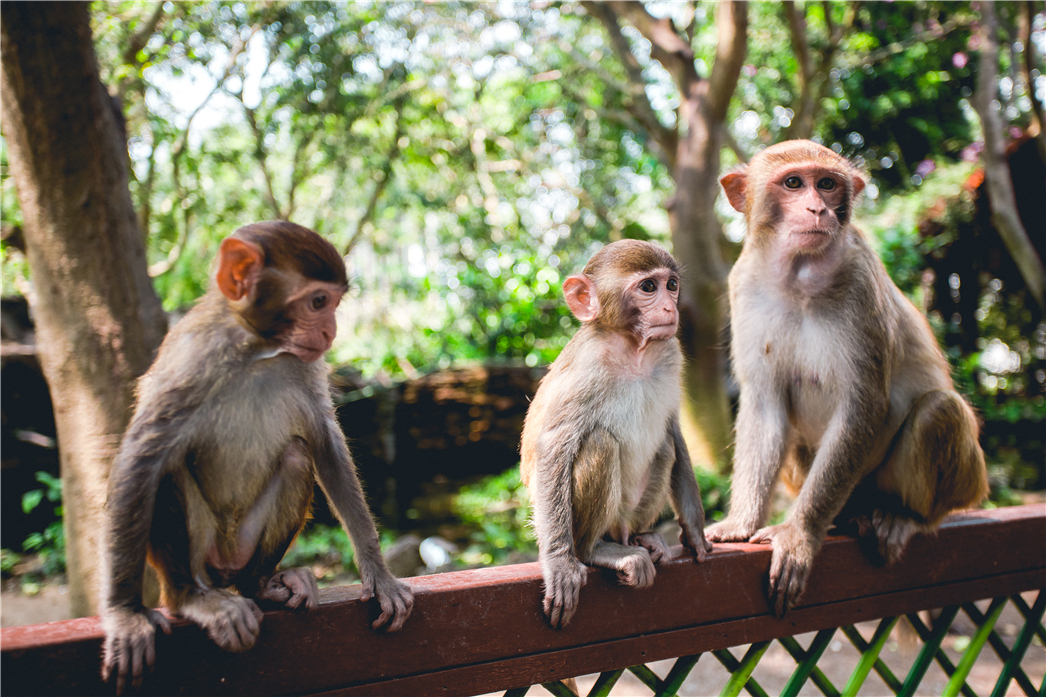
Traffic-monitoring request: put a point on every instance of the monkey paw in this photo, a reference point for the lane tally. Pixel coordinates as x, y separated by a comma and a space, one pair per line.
130, 644
893, 533
790, 564
653, 543
232, 621
395, 598
564, 577
637, 569
295, 588
692, 536
730, 531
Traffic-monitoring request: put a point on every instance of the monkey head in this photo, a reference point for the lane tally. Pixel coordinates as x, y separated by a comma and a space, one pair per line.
284, 282
630, 287
797, 195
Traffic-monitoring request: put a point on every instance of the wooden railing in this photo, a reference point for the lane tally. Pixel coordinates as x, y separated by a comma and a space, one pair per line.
482, 630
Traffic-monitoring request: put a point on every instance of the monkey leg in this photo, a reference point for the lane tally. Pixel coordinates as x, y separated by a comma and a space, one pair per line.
271, 526
936, 466
634, 564
762, 444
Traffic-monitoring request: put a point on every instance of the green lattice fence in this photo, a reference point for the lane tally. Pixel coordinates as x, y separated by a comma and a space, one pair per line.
482, 631
1012, 678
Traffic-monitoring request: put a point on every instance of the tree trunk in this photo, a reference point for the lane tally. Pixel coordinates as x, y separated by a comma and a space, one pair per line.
98, 319
997, 176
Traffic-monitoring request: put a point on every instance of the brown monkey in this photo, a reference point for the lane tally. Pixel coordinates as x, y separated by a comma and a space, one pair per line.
844, 391
215, 474
601, 451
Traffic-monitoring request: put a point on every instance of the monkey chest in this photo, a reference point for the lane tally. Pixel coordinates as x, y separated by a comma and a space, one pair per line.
810, 371
638, 420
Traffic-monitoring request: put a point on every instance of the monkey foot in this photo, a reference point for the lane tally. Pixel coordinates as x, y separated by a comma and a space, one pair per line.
295, 588
886, 535
729, 531
653, 543
232, 621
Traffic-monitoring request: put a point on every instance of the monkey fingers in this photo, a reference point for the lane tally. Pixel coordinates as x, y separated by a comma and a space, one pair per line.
232, 621
793, 556
694, 540
130, 645
893, 533
653, 543
395, 598
292, 587
564, 577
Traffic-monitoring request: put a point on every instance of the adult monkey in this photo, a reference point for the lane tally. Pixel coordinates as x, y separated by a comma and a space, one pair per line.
602, 451
844, 391
214, 477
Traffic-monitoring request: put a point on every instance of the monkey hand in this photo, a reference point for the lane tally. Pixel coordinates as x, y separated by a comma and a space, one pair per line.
653, 543
790, 565
564, 576
295, 588
395, 597
730, 530
692, 536
130, 644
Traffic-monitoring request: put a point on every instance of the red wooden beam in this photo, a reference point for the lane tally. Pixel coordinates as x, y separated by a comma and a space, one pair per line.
483, 630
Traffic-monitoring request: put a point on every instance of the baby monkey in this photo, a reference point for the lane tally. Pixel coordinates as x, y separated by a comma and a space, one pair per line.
602, 451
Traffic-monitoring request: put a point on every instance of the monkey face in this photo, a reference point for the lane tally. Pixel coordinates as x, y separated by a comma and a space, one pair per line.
811, 200
313, 322
654, 297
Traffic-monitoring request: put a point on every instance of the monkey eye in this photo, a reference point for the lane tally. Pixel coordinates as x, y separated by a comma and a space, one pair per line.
672, 285
793, 182
319, 301
827, 184
648, 286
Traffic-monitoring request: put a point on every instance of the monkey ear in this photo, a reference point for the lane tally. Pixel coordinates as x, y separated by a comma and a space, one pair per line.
734, 186
581, 297
239, 263
859, 184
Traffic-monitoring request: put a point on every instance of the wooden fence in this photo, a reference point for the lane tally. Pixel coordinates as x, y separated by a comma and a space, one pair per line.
482, 630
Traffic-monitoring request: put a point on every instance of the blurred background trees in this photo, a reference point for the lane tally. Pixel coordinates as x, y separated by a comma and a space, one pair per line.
469, 156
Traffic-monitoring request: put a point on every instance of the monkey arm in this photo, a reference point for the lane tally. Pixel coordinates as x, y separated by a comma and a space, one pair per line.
144, 457
337, 477
762, 441
686, 497
553, 512
838, 466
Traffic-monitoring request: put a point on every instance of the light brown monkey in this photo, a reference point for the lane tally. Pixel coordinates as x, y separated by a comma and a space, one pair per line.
601, 450
844, 391
214, 478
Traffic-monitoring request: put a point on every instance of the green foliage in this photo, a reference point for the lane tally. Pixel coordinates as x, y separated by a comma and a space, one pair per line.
715, 492
321, 544
497, 508
48, 545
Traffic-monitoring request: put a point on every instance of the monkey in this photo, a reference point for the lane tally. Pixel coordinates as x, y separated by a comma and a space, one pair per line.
844, 392
601, 451
215, 474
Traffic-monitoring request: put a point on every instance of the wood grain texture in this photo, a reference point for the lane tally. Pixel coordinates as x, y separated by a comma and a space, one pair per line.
483, 630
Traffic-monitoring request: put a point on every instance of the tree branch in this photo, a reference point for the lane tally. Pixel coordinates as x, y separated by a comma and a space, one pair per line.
637, 104
141, 37
802, 124
1031, 63
997, 174
731, 48
380, 184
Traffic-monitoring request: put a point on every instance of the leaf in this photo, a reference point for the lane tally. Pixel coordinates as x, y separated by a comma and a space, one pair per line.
32, 499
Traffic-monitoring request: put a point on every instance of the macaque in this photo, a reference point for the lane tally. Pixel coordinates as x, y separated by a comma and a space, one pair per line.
844, 391
602, 451
214, 478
